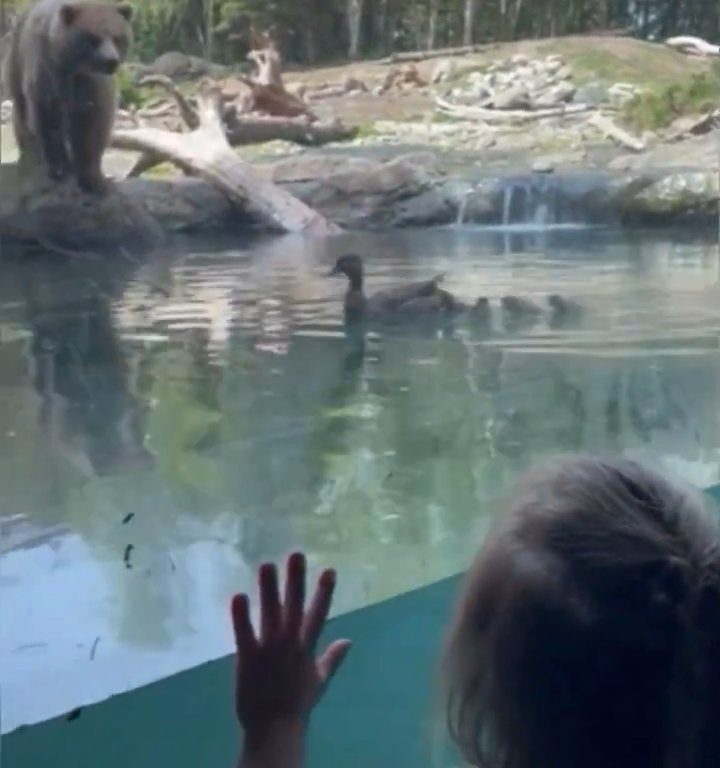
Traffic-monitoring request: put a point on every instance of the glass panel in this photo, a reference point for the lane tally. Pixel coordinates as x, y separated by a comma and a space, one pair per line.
182, 398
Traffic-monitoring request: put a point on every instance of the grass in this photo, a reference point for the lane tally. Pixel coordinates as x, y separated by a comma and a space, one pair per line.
657, 107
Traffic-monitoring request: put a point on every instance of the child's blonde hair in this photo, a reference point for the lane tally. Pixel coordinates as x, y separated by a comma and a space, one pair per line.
588, 631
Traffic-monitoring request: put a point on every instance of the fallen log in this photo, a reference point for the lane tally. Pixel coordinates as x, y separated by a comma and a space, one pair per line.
255, 129
693, 45
205, 152
438, 53
240, 130
508, 115
612, 131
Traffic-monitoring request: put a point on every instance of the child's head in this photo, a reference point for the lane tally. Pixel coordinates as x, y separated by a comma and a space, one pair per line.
588, 632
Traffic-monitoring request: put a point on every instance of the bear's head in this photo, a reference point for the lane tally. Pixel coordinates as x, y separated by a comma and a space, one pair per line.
95, 37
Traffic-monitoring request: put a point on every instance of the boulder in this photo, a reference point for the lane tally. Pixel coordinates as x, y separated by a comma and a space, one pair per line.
594, 93
562, 93
621, 94
180, 66
444, 71
513, 97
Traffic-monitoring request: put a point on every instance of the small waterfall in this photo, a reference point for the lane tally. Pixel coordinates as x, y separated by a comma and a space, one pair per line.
462, 208
532, 202
535, 201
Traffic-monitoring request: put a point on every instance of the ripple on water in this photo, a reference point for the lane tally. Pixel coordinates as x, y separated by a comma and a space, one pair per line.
211, 411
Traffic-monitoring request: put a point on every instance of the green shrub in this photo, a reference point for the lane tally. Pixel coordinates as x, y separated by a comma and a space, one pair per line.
130, 93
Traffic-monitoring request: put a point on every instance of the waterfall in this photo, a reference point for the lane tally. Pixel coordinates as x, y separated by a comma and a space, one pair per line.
536, 201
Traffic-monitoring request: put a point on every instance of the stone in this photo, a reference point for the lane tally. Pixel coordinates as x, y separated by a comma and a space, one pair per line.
562, 93
552, 64
6, 112
594, 93
519, 60
621, 94
514, 97
543, 165
444, 71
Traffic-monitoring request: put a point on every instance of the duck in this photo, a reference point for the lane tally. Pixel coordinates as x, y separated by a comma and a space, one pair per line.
413, 299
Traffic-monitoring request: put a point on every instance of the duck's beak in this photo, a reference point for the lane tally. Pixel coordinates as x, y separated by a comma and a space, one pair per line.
334, 272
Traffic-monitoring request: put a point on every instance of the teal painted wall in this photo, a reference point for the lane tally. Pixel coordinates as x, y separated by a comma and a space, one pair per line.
376, 714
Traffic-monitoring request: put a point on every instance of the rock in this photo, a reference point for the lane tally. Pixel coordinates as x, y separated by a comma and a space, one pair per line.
564, 73
444, 71
519, 60
621, 94
543, 165
663, 198
594, 94
359, 193
180, 66
690, 125
514, 97
562, 93
552, 65
6, 112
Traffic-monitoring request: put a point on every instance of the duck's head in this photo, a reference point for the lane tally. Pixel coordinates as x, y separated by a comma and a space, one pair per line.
350, 265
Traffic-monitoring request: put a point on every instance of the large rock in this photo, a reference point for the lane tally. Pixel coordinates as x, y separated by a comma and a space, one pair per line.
514, 97
181, 66
594, 93
363, 193
562, 93
660, 198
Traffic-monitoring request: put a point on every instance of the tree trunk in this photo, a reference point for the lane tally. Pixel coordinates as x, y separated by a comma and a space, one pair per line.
468, 22
206, 153
381, 26
432, 24
354, 17
209, 28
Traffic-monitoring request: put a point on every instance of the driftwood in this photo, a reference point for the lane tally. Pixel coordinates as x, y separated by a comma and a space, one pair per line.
693, 45
398, 77
334, 90
267, 89
255, 129
693, 126
438, 53
508, 115
205, 152
612, 131
241, 129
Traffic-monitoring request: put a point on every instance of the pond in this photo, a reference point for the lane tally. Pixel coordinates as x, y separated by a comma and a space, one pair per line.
166, 426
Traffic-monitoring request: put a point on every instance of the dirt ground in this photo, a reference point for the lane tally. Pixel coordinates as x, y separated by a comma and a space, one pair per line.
610, 59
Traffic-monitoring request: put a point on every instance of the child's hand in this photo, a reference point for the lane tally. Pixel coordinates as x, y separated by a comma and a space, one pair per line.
279, 679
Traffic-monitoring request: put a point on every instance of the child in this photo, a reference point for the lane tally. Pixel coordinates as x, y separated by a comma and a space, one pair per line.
587, 634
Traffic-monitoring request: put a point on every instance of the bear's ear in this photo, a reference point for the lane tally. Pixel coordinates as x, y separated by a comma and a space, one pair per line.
126, 11
68, 13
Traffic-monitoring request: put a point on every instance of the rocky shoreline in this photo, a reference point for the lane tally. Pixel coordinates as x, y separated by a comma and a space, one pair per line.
416, 190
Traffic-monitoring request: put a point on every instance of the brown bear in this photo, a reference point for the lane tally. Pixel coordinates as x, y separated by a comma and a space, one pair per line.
60, 71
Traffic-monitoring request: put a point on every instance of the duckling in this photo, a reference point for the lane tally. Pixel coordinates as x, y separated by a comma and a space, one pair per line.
519, 313
517, 307
564, 310
419, 298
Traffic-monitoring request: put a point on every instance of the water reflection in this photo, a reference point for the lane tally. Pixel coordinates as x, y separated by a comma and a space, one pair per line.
165, 426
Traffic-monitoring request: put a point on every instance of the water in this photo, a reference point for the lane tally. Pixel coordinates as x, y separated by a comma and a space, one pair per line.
165, 427
538, 201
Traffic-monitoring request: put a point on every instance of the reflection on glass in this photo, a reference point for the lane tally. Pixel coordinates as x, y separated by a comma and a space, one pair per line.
167, 425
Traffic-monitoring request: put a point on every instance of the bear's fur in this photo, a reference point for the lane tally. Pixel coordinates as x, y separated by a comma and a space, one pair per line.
60, 71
